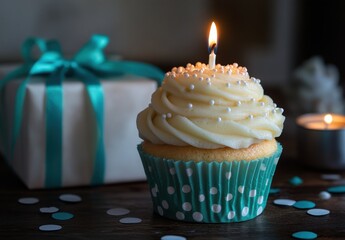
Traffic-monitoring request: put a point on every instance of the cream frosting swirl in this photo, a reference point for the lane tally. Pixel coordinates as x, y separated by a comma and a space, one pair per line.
210, 108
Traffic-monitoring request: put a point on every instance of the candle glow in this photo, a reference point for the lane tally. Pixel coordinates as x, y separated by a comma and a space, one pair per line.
212, 43
328, 119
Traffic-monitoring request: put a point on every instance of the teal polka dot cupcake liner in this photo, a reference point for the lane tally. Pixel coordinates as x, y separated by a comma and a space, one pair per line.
209, 192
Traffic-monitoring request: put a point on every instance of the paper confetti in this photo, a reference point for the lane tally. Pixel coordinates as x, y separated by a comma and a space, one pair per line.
325, 195
337, 189
130, 220
173, 237
304, 204
318, 212
296, 181
72, 198
49, 209
331, 177
284, 202
28, 200
304, 235
62, 216
274, 190
118, 211
50, 227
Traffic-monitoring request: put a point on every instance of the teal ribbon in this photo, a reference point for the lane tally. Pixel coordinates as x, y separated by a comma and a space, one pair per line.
88, 65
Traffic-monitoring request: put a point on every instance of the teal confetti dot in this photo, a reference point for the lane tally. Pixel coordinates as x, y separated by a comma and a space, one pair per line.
304, 204
337, 189
296, 181
62, 216
304, 235
274, 190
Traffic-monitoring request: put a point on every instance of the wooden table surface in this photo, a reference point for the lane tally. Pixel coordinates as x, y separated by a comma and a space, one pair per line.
91, 221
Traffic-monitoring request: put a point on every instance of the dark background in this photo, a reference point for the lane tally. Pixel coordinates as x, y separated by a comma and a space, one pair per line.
270, 37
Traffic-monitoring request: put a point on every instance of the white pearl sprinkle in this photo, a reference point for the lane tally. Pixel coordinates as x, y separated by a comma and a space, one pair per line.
250, 116
191, 87
208, 79
228, 109
238, 82
274, 105
169, 115
195, 75
219, 119
213, 75
258, 81
274, 111
245, 83
201, 78
167, 74
262, 104
209, 83
280, 110
252, 99
212, 102
229, 72
186, 75
239, 103
228, 85
190, 105
164, 116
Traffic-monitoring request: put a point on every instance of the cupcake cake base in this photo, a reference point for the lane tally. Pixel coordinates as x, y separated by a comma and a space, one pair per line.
209, 191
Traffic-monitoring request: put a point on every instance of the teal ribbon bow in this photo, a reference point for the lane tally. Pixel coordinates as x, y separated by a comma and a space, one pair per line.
88, 65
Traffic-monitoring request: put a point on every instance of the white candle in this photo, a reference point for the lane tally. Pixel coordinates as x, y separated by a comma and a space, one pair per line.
212, 43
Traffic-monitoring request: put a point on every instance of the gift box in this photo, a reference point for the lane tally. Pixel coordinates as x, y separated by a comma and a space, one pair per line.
72, 122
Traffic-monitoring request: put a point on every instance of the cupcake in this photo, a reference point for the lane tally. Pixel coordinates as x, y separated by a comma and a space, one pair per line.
209, 149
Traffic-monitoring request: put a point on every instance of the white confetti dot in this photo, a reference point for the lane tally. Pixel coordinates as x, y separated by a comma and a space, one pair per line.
245, 211
197, 216
173, 237
180, 215
228, 197
252, 193
241, 189
260, 199
331, 177
231, 214
186, 188
160, 210
130, 220
228, 175
325, 195
165, 204
172, 171
171, 190
284, 202
201, 197
216, 208
49, 209
189, 172
28, 200
213, 190
50, 227
318, 212
263, 167
117, 211
70, 198
187, 206
259, 211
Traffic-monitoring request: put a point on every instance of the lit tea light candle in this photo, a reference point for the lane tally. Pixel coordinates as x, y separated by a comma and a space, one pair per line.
212, 44
321, 140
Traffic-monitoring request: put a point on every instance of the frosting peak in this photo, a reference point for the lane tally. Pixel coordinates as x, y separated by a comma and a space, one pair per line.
210, 108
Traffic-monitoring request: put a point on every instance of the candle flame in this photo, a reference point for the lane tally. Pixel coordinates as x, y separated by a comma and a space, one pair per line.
328, 119
212, 38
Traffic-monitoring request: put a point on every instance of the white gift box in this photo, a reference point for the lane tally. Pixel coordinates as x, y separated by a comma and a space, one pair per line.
123, 99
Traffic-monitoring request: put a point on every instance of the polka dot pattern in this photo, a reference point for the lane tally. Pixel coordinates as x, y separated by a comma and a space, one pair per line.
184, 190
